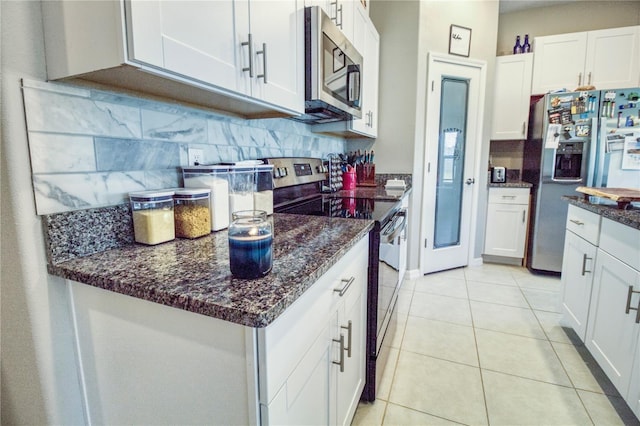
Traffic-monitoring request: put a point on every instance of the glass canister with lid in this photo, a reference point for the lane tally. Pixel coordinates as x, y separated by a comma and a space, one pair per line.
215, 178
191, 212
153, 221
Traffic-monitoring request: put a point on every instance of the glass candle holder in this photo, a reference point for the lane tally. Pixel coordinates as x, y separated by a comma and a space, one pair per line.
250, 244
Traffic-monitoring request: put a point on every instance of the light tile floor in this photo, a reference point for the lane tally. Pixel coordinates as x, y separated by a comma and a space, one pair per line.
484, 345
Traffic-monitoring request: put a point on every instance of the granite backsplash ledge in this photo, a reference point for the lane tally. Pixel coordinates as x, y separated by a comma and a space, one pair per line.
81, 233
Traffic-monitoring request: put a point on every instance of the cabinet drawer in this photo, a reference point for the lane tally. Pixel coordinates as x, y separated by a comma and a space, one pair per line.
584, 224
509, 195
621, 241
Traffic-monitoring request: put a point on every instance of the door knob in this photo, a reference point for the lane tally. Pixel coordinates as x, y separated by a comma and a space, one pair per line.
470, 181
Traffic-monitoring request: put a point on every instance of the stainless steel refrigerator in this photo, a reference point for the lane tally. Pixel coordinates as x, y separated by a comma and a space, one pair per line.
563, 131
616, 158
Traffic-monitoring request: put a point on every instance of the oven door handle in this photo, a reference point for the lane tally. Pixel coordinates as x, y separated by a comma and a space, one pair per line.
396, 229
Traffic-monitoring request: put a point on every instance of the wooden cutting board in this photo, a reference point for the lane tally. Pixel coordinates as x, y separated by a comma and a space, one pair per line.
623, 196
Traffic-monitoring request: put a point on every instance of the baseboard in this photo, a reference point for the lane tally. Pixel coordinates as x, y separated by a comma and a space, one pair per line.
413, 274
477, 261
514, 261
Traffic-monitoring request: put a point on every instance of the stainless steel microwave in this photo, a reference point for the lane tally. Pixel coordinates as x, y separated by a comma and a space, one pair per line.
333, 69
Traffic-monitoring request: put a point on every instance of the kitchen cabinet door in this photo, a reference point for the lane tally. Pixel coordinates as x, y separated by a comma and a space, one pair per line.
578, 261
195, 39
277, 29
368, 124
613, 58
633, 398
352, 324
559, 62
507, 219
307, 396
612, 334
511, 97
606, 59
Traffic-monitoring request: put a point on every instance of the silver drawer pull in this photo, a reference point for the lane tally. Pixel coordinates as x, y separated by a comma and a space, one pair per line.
341, 362
509, 197
249, 43
629, 308
584, 264
263, 52
345, 287
576, 221
348, 328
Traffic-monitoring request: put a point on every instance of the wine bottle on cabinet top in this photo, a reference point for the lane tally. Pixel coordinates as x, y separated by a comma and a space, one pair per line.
526, 47
517, 48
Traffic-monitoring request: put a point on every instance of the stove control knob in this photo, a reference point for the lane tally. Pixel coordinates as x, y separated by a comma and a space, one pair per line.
284, 171
276, 172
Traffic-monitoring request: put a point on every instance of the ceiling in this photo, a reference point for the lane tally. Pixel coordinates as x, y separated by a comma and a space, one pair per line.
507, 6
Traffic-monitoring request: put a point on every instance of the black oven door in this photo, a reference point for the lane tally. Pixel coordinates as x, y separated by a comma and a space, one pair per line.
391, 236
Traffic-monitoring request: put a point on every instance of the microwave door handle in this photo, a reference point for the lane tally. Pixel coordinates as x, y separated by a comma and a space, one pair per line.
353, 84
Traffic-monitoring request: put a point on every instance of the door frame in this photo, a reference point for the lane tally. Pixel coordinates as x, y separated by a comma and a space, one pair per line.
475, 136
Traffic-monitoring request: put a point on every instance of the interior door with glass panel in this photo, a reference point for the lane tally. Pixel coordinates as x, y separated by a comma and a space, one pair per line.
453, 131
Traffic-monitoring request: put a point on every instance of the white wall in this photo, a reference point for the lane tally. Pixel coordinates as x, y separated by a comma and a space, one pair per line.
39, 379
565, 18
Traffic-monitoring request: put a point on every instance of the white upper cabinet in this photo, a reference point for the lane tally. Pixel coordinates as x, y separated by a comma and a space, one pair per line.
245, 57
368, 124
511, 97
606, 59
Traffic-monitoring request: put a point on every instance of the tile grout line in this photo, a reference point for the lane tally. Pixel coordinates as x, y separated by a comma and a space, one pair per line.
475, 339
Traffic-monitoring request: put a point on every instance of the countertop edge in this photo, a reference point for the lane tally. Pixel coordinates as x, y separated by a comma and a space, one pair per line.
630, 218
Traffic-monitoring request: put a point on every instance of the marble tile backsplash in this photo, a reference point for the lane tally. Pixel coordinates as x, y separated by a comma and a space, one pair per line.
90, 148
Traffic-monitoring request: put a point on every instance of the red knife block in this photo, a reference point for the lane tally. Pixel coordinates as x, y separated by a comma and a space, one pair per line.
366, 174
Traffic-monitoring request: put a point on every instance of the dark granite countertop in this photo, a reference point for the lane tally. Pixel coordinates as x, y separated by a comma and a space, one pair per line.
194, 274
376, 193
515, 184
610, 211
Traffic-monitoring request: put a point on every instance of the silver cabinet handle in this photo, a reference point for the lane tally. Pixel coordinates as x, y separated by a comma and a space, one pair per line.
584, 264
523, 215
349, 329
346, 286
509, 197
576, 221
250, 44
338, 9
263, 52
579, 79
629, 308
589, 83
524, 127
341, 362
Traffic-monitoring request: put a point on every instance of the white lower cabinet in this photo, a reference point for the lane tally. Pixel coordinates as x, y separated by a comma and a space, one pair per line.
146, 363
314, 353
612, 333
613, 329
578, 262
507, 221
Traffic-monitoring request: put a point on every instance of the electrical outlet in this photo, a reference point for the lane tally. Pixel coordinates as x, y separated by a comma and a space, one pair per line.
195, 156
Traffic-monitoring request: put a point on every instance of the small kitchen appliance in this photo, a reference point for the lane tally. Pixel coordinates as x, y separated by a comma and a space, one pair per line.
333, 70
298, 190
498, 174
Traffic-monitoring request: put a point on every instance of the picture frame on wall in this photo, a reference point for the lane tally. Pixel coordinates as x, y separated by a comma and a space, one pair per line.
459, 40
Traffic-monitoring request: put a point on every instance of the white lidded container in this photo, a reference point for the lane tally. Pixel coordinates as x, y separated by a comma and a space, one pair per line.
263, 193
241, 187
152, 212
216, 178
191, 212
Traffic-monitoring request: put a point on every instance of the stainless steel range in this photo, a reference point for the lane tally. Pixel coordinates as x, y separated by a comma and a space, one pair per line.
298, 185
